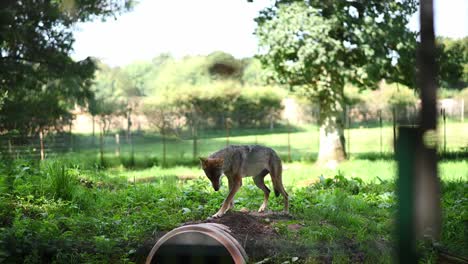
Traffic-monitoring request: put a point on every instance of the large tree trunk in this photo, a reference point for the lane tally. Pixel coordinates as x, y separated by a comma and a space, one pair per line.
332, 140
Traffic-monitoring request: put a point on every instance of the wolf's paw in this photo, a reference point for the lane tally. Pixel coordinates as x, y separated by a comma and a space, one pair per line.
218, 215
262, 209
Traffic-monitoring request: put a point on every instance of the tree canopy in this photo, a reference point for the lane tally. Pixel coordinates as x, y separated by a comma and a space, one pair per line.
452, 61
316, 47
39, 78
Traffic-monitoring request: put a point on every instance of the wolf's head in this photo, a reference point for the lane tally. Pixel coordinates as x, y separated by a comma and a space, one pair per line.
213, 169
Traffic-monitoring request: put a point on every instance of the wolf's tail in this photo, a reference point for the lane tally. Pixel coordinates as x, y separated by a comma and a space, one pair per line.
276, 174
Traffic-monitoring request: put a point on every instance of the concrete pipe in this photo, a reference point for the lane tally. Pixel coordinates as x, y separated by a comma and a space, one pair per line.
200, 243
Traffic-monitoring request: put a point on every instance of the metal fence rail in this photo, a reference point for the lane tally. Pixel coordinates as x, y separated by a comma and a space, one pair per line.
367, 132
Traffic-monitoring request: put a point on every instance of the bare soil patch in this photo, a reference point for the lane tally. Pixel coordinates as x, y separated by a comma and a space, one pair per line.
262, 242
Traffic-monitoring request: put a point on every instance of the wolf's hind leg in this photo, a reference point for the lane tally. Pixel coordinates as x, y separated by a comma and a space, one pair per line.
259, 180
276, 178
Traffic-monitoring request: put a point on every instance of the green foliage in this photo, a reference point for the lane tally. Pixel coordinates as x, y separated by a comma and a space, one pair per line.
387, 98
213, 104
62, 180
42, 81
318, 46
253, 73
452, 60
222, 65
463, 95
109, 217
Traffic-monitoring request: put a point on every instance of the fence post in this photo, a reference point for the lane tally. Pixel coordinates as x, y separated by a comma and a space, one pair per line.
227, 131
289, 141
92, 142
101, 146
71, 137
380, 125
348, 125
117, 144
394, 128
41, 140
163, 134
194, 137
318, 130
132, 148
444, 118
462, 112
9, 146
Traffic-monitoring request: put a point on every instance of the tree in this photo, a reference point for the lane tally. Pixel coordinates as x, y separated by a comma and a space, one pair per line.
116, 93
41, 80
452, 61
222, 65
315, 47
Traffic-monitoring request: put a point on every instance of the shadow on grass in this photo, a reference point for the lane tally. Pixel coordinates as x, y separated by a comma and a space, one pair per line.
443, 156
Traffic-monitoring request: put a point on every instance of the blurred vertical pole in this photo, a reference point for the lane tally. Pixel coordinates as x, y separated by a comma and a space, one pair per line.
41, 141
405, 153
380, 125
289, 141
418, 184
117, 145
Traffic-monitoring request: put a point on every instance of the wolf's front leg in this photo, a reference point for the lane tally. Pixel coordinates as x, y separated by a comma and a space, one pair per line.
229, 200
230, 184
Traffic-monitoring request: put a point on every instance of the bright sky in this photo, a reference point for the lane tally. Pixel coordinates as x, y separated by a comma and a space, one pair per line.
188, 27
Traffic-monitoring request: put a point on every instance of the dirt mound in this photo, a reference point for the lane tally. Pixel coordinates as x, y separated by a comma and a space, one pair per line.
255, 233
244, 224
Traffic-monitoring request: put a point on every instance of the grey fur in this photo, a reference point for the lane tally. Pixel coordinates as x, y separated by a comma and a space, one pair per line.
244, 161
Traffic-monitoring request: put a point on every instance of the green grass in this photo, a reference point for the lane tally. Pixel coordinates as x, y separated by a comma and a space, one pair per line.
57, 212
303, 139
73, 209
300, 174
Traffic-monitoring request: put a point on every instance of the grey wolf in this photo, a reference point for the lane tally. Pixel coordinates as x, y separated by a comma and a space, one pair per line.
238, 162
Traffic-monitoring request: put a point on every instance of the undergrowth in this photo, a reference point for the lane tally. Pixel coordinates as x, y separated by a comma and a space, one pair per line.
59, 212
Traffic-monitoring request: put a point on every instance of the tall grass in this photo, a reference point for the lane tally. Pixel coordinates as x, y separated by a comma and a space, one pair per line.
62, 183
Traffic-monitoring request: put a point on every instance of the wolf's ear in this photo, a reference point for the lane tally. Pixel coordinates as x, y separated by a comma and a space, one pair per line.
203, 161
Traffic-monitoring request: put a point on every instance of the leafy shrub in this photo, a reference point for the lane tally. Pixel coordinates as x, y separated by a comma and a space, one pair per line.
352, 185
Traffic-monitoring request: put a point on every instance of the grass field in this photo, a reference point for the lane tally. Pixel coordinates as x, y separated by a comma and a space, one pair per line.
74, 210
363, 142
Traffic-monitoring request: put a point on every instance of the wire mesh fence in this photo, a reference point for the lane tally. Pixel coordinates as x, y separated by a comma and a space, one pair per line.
184, 137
